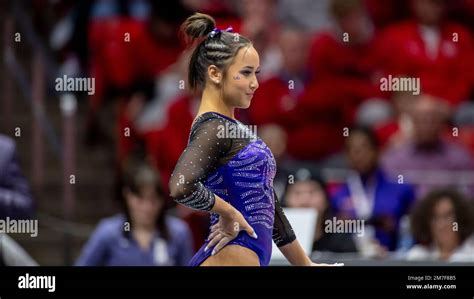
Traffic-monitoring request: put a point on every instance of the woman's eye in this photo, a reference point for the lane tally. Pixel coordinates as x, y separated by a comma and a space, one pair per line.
245, 73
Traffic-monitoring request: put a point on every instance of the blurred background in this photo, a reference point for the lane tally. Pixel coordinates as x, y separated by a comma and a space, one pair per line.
92, 165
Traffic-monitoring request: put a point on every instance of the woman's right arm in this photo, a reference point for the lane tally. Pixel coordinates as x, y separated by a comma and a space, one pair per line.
198, 160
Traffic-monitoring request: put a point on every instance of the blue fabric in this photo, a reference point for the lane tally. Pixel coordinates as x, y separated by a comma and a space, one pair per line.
109, 247
15, 196
246, 182
392, 200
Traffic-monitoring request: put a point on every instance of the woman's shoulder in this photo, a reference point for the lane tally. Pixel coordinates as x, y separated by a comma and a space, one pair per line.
212, 117
111, 226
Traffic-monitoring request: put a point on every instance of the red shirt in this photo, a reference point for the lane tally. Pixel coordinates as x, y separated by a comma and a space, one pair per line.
448, 75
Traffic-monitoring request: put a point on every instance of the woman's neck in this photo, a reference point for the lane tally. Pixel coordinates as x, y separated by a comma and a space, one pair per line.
144, 237
211, 101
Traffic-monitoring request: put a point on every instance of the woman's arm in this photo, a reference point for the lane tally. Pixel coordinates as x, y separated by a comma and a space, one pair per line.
295, 254
285, 239
198, 160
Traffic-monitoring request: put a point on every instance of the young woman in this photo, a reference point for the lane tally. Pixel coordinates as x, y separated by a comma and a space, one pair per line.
226, 169
443, 227
143, 234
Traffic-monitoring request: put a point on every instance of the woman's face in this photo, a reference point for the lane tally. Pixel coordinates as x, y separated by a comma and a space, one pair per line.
144, 207
241, 80
307, 194
361, 153
443, 227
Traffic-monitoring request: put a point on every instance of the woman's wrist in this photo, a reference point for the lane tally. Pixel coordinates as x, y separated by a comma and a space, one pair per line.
222, 208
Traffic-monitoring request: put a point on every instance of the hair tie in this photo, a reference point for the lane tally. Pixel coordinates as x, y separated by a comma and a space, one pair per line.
216, 31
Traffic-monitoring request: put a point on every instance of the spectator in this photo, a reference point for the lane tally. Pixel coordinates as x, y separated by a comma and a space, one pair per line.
429, 47
400, 127
260, 24
309, 191
368, 194
443, 226
287, 101
143, 235
15, 197
427, 158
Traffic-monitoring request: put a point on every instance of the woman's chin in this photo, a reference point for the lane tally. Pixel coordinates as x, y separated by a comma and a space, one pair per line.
245, 104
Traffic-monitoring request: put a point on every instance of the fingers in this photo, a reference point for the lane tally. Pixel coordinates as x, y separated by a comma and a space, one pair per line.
251, 231
213, 234
220, 245
216, 237
215, 226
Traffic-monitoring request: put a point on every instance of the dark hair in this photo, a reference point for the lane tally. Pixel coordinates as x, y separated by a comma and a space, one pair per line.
303, 174
138, 174
423, 212
341, 8
367, 132
218, 49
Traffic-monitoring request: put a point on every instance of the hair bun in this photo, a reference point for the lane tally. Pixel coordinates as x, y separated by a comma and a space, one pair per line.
198, 25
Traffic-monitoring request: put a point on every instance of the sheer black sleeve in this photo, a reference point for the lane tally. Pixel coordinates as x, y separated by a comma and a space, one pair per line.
202, 156
283, 233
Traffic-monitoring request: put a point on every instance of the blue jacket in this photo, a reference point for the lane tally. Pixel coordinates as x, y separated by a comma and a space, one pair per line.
15, 196
108, 246
391, 202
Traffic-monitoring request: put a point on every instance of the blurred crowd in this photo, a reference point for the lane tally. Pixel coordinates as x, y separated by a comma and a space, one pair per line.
399, 159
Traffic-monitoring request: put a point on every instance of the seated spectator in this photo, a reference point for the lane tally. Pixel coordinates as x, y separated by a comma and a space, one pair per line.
143, 235
146, 49
429, 47
400, 127
368, 194
15, 197
443, 225
309, 191
341, 60
427, 159
287, 101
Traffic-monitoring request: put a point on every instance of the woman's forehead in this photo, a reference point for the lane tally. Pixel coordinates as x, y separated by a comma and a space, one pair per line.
247, 56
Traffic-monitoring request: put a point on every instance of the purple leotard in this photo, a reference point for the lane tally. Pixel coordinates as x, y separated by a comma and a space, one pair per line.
225, 158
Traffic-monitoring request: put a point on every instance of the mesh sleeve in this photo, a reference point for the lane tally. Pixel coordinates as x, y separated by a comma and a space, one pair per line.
202, 155
283, 233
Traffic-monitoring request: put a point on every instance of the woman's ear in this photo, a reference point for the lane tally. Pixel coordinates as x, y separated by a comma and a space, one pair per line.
214, 74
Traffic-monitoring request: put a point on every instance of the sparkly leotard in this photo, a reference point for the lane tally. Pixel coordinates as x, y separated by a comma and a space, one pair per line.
225, 158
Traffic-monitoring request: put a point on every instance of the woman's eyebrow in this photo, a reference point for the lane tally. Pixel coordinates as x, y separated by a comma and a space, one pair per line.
250, 67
